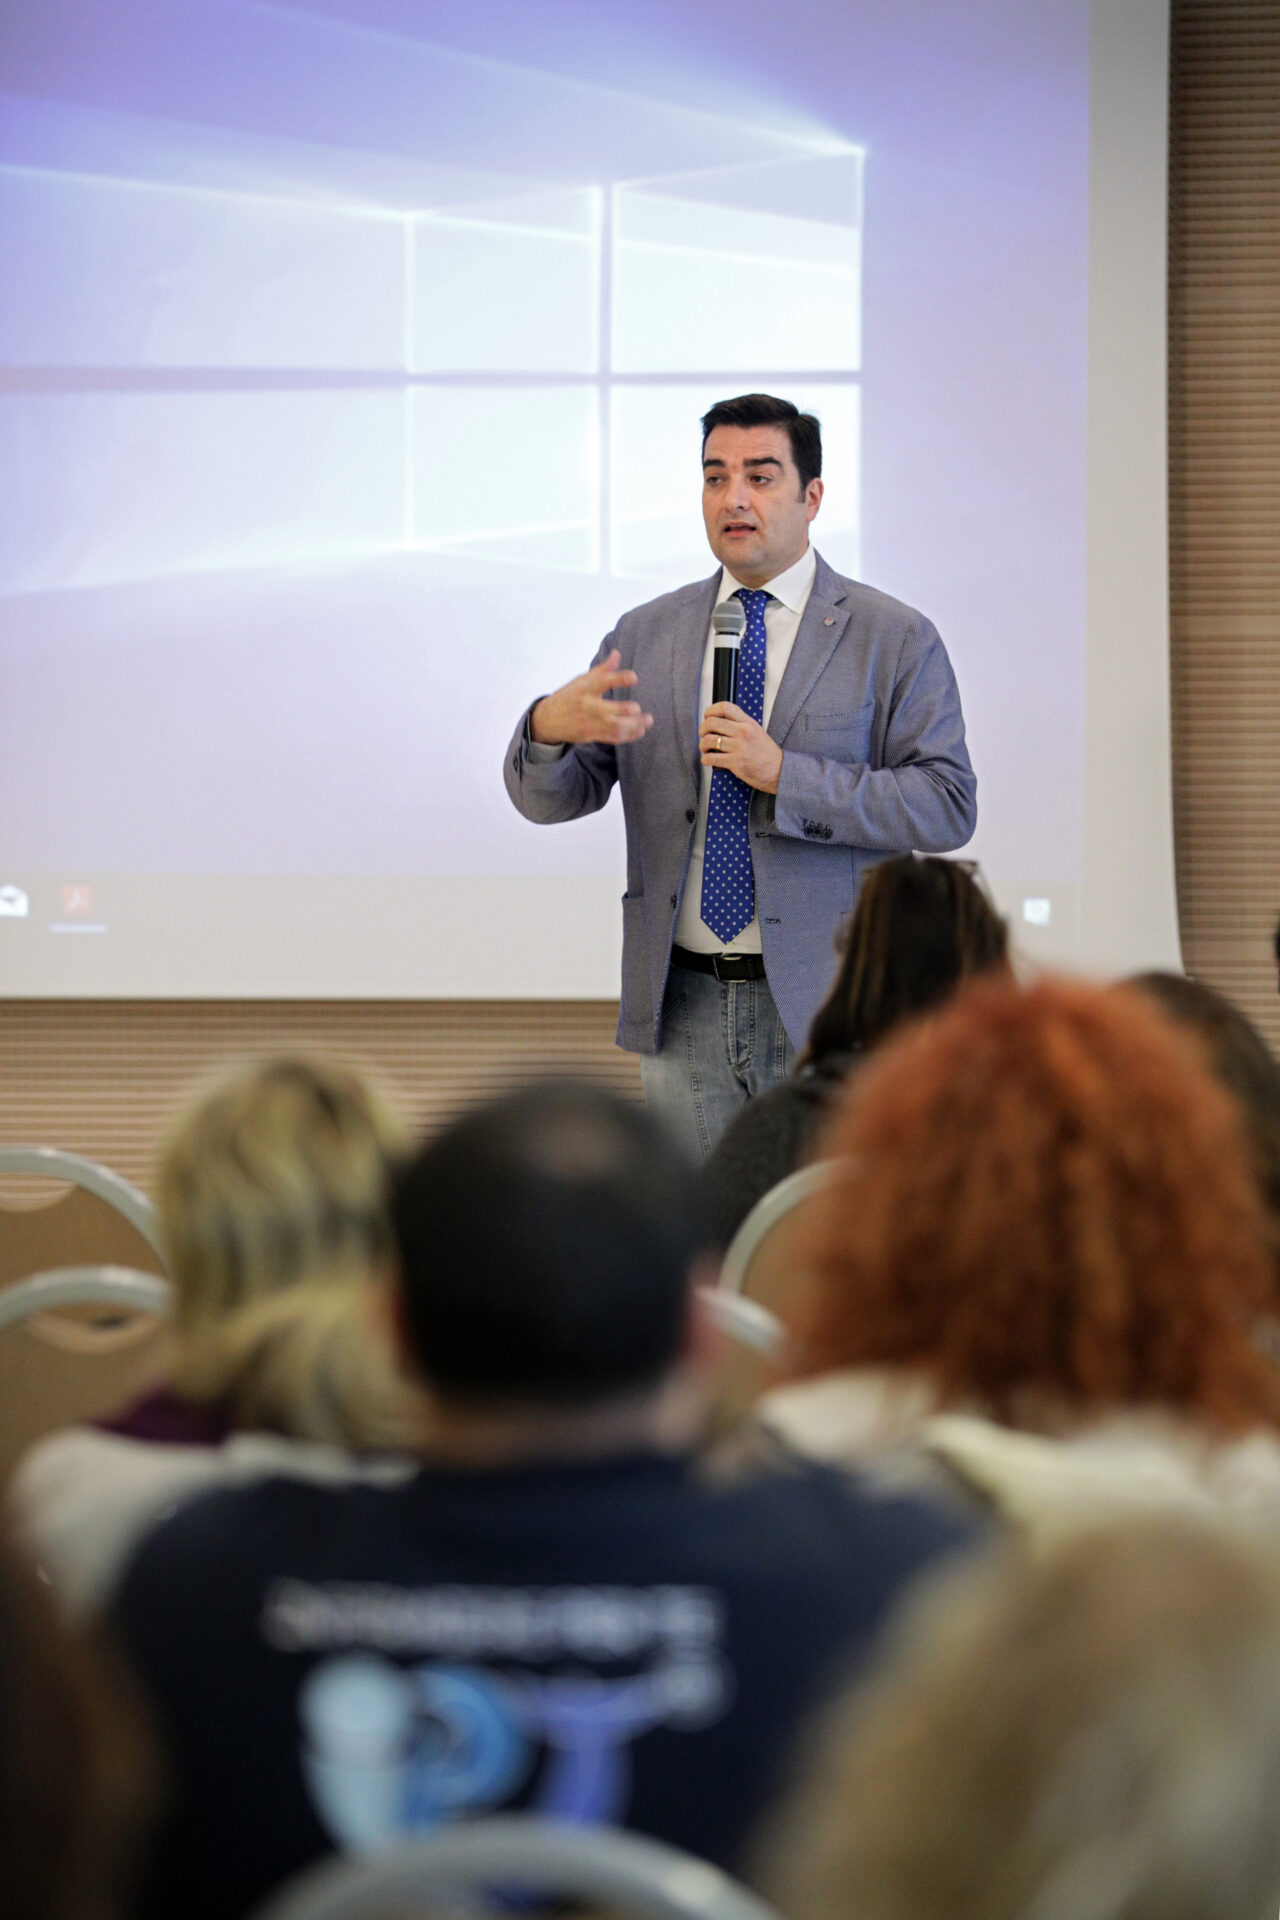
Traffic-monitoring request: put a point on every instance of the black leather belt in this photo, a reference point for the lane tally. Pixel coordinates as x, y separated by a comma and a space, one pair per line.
725, 966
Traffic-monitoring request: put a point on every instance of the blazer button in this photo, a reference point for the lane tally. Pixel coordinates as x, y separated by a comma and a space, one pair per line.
674, 898
691, 814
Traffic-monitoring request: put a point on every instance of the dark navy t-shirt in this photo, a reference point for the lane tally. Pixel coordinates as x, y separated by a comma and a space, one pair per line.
333, 1666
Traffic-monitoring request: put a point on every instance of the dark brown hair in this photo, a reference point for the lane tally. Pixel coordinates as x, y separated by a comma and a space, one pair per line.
920, 927
1238, 1056
77, 1770
1043, 1201
766, 410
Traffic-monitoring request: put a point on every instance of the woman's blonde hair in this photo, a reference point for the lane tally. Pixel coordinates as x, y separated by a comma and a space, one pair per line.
1087, 1737
272, 1193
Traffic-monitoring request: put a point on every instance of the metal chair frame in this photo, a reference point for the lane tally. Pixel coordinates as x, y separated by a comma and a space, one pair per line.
745, 1321
51, 1163
123, 1287
625, 1873
764, 1217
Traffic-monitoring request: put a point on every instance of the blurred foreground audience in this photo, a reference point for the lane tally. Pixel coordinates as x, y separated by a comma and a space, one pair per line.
272, 1193
556, 1611
1042, 1270
921, 926
1088, 1737
77, 1771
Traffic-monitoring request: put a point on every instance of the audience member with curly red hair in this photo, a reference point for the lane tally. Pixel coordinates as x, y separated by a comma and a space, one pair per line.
1043, 1219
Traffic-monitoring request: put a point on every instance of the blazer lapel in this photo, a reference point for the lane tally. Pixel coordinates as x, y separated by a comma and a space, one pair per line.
688, 647
821, 627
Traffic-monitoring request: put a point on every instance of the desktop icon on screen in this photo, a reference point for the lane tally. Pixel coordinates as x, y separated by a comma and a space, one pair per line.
14, 904
77, 899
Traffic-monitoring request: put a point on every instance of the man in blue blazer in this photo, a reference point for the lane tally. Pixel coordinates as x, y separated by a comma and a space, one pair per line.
750, 825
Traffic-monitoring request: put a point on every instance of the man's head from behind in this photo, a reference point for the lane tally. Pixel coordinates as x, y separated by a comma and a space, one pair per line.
545, 1244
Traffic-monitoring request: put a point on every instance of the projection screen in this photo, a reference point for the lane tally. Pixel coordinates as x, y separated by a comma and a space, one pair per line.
351, 359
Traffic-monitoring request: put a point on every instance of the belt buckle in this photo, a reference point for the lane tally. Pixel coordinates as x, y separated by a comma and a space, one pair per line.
729, 960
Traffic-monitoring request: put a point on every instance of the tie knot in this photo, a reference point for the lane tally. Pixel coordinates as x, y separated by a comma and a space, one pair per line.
753, 598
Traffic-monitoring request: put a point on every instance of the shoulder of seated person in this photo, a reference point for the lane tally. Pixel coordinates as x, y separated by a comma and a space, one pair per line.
755, 1455
836, 1514
85, 1458
243, 1455
252, 1478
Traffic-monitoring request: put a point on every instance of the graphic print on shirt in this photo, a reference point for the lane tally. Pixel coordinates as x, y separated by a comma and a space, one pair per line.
529, 1692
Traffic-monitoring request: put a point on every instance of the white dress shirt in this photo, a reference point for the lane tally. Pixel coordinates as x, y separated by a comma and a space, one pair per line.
790, 591
790, 595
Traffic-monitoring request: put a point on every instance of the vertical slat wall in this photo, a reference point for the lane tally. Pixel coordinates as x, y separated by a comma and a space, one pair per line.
103, 1077
1224, 367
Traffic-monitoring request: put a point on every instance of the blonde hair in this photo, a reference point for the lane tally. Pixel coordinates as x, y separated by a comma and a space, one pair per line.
272, 1193
1092, 1736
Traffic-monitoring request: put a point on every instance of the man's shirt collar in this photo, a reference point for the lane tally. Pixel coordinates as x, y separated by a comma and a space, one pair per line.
790, 588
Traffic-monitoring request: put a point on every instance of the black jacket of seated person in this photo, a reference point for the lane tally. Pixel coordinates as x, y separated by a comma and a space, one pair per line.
336, 1665
770, 1137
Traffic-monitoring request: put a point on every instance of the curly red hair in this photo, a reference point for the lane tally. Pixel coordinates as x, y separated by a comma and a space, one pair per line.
1044, 1200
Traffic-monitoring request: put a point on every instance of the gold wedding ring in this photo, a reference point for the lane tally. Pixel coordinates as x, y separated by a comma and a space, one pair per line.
719, 743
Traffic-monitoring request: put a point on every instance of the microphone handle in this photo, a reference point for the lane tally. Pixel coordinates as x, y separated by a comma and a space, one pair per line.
724, 675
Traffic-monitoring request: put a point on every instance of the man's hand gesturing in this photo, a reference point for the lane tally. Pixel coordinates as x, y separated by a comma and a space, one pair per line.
579, 712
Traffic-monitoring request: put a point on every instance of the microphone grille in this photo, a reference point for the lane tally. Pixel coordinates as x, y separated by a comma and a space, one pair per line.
729, 621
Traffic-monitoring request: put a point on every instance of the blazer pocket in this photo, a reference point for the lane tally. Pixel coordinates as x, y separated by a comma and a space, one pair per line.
841, 736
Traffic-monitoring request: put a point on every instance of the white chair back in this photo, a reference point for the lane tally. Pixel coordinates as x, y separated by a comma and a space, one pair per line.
620, 1873
50, 1163
121, 1287
769, 1212
744, 1321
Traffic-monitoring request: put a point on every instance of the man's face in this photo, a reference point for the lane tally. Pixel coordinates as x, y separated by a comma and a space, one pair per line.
756, 515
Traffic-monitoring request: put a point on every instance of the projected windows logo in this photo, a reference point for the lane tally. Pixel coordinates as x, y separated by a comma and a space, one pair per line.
207, 380
596, 327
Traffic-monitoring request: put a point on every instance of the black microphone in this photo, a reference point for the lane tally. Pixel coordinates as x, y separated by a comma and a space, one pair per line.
728, 623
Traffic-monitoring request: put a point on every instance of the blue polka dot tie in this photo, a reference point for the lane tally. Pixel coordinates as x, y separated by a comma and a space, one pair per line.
728, 882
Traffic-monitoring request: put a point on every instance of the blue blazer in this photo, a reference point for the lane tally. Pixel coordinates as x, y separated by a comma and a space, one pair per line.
873, 763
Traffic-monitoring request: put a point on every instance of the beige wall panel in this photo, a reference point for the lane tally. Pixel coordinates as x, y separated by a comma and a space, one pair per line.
103, 1077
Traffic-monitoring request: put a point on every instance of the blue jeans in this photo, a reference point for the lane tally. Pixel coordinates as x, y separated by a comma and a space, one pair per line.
722, 1042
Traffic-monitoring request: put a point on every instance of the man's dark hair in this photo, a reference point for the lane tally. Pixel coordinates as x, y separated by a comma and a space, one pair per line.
765, 410
545, 1242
